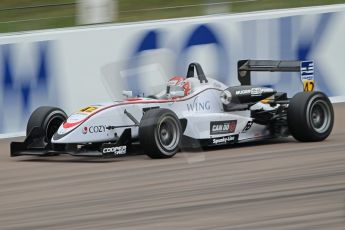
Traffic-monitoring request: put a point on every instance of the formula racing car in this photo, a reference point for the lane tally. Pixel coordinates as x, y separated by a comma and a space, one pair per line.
192, 111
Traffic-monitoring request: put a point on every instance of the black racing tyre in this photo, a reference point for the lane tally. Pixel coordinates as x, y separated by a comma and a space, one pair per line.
160, 133
310, 116
48, 118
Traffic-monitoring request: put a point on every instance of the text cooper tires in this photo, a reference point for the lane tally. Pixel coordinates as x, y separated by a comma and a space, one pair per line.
310, 116
48, 118
160, 133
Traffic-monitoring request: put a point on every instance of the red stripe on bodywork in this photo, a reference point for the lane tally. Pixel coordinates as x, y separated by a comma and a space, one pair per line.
70, 125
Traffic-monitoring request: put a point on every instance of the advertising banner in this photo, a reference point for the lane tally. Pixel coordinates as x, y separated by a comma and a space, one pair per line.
72, 68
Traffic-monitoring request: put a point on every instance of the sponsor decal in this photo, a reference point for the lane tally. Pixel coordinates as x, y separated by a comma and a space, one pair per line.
247, 127
256, 91
88, 109
94, 129
85, 130
116, 150
223, 140
307, 70
242, 92
222, 127
197, 105
307, 75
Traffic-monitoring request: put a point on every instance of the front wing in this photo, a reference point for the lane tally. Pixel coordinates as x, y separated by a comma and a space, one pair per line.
35, 145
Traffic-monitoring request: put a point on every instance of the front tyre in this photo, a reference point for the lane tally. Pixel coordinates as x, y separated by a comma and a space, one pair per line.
310, 116
48, 118
160, 133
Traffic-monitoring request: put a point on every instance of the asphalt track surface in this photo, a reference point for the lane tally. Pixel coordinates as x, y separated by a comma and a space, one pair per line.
278, 184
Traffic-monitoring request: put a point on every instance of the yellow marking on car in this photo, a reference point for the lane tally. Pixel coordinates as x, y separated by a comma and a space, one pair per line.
308, 85
88, 109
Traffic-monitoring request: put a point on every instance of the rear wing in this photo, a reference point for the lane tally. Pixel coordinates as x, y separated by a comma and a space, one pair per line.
305, 68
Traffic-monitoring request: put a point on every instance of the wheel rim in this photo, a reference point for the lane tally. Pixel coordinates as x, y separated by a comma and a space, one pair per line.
168, 133
320, 116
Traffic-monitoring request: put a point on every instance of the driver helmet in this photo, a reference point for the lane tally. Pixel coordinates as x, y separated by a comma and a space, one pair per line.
179, 84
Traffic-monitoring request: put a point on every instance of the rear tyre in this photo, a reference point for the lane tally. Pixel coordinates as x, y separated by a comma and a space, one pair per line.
310, 116
160, 133
48, 118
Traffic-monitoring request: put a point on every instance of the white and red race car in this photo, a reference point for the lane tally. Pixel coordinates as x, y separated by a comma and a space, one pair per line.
191, 112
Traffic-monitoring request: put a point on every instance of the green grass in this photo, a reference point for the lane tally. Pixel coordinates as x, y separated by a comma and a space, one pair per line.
64, 16
35, 18
274, 4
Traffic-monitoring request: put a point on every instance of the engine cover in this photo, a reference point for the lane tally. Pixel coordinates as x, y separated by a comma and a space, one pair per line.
239, 97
